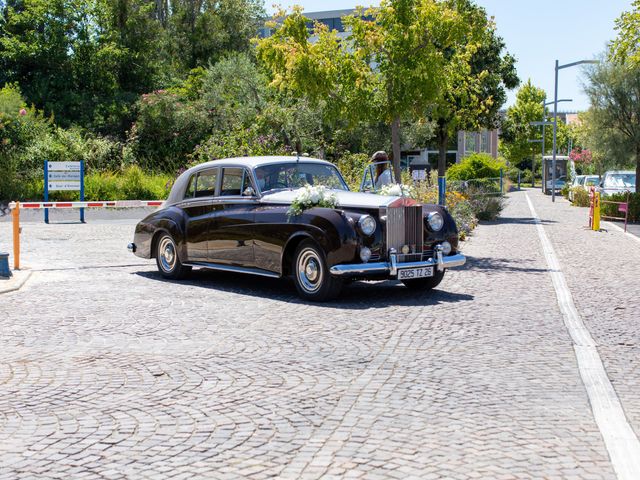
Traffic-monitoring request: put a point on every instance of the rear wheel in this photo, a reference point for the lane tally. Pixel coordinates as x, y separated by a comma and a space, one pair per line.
169, 265
311, 274
428, 283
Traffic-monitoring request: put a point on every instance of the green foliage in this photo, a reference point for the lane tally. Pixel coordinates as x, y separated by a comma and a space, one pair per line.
476, 166
352, 166
516, 128
486, 207
391, 66
237, 143
524, 175
626, 47
612, 210
167, 130
580, 197
131, 183
614, 116
476, 86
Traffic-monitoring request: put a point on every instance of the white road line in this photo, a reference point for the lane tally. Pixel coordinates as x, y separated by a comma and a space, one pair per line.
628, 234
619, 438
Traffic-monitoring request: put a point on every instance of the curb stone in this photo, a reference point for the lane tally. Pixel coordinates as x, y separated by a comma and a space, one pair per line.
16, 282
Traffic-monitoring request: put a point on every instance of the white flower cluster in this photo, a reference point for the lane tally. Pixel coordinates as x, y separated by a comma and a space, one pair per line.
397, 190
312, 196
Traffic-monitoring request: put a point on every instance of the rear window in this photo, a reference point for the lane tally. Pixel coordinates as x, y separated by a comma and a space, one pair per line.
206, 183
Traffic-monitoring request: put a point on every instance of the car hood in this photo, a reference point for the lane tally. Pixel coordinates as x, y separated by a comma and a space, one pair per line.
345, 199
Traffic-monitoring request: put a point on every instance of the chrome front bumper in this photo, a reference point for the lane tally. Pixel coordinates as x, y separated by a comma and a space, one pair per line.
392, 266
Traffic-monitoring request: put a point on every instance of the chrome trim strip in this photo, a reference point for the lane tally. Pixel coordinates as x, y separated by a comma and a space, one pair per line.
234, 269
392, 267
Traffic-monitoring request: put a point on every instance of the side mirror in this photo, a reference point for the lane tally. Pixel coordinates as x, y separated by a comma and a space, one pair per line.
249, 192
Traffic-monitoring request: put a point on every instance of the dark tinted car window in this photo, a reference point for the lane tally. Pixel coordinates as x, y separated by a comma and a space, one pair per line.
206, 184
232, 181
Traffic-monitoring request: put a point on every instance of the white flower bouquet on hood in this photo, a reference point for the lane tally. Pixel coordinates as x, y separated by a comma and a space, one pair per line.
311, 196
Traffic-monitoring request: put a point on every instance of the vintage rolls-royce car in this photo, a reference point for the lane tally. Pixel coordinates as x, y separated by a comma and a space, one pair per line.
233, 215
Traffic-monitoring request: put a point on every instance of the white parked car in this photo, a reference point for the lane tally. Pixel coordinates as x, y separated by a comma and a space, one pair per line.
590, 181
618, 181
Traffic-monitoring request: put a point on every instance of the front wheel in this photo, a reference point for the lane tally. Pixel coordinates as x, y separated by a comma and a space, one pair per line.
428, 283
169, 265
311, 274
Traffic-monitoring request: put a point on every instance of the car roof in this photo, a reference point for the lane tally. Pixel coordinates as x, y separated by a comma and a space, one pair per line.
620, 171
181, 183
253, 162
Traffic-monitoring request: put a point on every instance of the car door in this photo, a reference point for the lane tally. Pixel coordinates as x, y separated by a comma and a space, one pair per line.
231, 231
198, 209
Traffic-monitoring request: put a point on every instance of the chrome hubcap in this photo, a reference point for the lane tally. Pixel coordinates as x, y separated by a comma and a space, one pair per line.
167, 251
310, 272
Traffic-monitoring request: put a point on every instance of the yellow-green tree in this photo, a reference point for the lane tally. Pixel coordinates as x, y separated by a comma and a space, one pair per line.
626, 47
391, 67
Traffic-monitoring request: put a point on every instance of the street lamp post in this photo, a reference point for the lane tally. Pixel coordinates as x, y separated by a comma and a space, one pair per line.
555, 121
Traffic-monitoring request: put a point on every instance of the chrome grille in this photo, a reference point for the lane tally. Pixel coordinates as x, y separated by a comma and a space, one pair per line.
405, 226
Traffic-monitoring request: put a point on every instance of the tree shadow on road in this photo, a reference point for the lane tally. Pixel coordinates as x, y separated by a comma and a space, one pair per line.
358, 295
491, 264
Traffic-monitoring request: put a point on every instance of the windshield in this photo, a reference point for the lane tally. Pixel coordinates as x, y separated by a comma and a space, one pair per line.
591, 181
620, 180
298, 174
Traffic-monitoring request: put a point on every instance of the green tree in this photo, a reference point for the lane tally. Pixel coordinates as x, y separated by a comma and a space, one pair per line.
516, 128
626, 47
389, 68
200, 32
476, 88
614, 92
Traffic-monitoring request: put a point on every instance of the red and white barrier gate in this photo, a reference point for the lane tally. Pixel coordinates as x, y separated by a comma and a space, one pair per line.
17, 206
108, 204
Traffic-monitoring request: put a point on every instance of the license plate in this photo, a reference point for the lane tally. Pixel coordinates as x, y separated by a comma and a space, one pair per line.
407, 273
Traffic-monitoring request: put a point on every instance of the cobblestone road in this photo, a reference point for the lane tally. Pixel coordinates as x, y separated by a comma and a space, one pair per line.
107, 371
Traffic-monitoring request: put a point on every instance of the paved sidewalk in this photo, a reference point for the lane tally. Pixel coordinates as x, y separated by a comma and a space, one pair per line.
108, 371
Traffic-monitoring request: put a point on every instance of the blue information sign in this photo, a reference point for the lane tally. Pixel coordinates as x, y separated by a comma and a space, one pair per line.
67, 176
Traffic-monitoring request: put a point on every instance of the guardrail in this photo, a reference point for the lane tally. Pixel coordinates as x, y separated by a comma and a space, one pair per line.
15, 208
623, 207
595, 210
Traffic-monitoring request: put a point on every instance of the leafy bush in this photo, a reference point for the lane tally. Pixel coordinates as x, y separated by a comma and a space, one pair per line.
167, 130
611, 210
477, 165
237, 143
580, 197
564, 191
486, 207
525, 175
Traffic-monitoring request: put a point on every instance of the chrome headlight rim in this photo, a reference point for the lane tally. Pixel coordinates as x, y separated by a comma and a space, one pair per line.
435, 221
367, 225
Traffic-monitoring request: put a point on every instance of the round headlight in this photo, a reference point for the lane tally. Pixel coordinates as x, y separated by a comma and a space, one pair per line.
446, 248
435, 221
365, 254
367, 224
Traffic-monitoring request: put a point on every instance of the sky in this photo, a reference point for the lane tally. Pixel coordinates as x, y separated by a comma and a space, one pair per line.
537, 33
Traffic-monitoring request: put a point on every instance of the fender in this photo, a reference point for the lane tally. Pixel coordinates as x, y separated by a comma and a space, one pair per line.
331, 230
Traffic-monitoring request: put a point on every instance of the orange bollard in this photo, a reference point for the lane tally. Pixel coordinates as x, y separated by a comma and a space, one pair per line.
15, 214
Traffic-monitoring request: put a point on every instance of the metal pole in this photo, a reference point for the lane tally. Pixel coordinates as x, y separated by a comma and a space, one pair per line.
555, 131
542, 157
46, 190
82, 189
